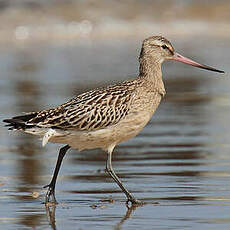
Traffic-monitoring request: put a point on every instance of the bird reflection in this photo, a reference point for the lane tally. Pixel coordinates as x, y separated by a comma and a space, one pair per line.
50, 213
130, 210
51, 210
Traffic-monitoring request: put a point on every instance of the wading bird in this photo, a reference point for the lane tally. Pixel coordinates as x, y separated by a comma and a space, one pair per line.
104, 117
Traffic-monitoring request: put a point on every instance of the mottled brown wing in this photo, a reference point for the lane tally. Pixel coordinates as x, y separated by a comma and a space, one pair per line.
92, 110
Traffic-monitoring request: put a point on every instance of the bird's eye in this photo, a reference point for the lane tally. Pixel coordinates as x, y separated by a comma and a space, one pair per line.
164, 47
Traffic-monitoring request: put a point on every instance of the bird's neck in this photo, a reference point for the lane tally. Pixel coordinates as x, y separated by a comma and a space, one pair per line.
151, 73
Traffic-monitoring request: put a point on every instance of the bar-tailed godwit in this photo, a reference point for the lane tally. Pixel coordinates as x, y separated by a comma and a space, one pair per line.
104, 117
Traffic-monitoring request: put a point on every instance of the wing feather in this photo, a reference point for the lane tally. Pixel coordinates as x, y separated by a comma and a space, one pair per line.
92, 110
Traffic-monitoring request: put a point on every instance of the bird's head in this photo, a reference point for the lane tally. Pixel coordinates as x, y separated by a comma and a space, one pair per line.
158, 49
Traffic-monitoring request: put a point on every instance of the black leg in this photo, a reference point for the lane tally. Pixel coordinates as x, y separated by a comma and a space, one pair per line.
51, 185
109, 168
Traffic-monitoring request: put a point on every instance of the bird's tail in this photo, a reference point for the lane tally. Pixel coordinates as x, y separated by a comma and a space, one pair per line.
20, 122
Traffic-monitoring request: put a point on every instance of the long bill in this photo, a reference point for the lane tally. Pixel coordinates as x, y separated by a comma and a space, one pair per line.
180, 58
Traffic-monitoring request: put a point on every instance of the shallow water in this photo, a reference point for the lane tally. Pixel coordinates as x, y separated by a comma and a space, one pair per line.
180, 160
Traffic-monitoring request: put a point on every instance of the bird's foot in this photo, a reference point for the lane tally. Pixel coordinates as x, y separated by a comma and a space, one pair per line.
132, 202
50, 194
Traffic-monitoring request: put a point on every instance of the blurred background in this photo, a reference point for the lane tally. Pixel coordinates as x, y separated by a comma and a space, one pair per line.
51, 50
